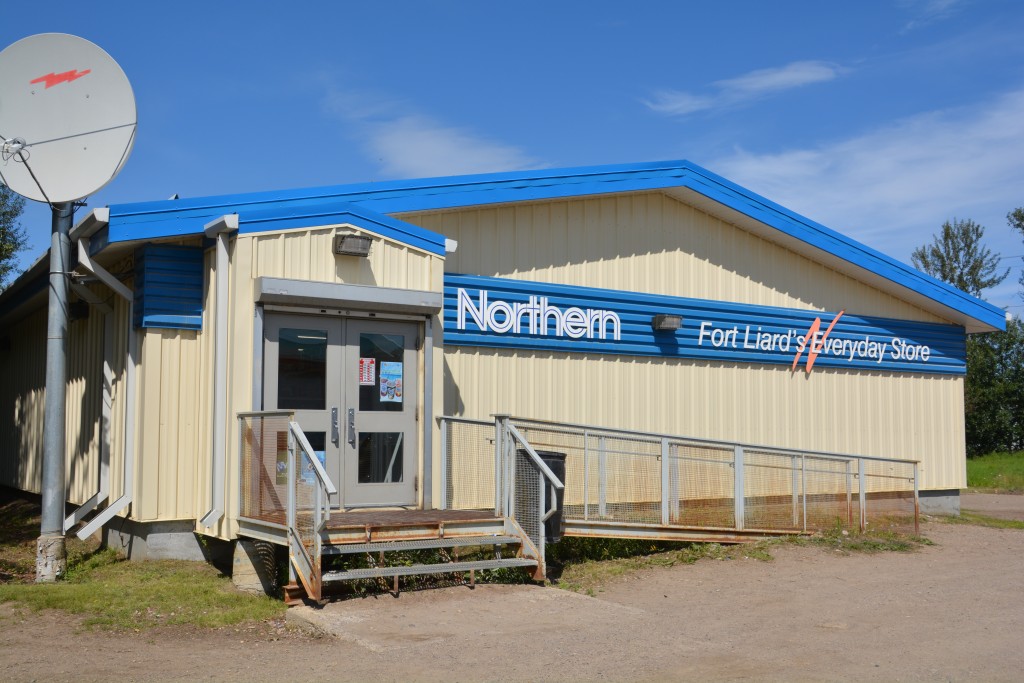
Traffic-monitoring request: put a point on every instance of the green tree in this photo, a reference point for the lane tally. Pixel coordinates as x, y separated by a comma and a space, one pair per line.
994, 387
957, 256
994, 391
1016, 220
12, 235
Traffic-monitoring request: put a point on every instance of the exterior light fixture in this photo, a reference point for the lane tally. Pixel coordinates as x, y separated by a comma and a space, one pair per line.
349, 244
664, 322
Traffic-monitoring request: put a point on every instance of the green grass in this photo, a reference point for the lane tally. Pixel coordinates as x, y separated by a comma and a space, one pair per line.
586, 566
997, 472
114, 593
983, 520
110, 592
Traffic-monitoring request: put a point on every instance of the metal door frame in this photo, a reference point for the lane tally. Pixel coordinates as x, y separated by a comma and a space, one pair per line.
355, 421
425, 359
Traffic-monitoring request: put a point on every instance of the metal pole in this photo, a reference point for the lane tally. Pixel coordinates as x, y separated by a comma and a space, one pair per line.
51, 550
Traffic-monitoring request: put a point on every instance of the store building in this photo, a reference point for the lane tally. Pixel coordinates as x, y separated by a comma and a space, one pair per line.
655, 297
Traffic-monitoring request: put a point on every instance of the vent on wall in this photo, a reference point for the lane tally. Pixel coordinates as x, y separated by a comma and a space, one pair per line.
169, 287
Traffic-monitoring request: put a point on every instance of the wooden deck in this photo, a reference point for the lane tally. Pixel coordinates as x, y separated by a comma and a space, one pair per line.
397, 518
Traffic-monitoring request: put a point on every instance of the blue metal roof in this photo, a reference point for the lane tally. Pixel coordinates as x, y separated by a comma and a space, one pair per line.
150, 220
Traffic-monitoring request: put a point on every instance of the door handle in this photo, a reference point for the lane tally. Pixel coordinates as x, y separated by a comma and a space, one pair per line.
352, 427
335, 432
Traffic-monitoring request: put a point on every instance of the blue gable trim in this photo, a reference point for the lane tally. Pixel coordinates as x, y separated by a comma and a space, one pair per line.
284, 218
187, 216
620, 323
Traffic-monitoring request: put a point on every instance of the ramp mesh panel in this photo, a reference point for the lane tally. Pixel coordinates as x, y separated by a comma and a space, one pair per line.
469, 466
263, 476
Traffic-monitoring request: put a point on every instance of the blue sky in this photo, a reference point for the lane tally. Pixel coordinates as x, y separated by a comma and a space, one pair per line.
878, 119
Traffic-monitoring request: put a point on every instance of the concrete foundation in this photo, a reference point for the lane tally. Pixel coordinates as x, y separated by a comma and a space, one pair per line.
174, 540
254, 567
942, 502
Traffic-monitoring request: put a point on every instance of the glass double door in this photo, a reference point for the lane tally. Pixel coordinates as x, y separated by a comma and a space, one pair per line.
352, 384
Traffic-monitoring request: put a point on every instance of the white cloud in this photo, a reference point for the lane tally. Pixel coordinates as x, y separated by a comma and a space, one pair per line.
893, 187
415, 146
411, 145
677, 103
792, 75
928, 11
749, 86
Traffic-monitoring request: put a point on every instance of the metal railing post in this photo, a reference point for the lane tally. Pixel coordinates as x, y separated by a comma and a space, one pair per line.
318, 520
664, 481
586, 475
675, 504
862, 495
291, 500
446, 459
542, 499
291, 480
739, 500
499, 466
796, 489
510, 470
917, 504
849, 495
803, 485
602, 477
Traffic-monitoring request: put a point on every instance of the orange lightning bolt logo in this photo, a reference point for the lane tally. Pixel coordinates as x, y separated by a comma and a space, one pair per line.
52, 79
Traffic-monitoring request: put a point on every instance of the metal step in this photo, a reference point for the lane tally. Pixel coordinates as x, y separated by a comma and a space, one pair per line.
387, 546
417, 569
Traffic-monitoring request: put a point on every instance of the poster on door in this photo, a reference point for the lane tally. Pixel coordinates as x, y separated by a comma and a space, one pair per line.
390, 382
367, 372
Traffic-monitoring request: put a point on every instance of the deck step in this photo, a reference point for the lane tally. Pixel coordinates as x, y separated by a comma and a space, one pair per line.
423, 544
418, 569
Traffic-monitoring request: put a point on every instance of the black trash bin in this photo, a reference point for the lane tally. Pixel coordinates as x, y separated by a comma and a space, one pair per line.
554, 528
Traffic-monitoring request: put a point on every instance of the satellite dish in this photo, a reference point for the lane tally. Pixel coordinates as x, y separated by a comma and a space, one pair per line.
67, 117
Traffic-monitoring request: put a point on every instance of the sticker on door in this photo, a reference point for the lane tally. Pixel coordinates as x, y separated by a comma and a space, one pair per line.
390, 382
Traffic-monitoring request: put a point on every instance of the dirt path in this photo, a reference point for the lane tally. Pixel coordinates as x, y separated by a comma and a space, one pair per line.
952, 612
998, 505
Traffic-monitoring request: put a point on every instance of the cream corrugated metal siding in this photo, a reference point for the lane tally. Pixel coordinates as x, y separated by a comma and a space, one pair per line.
918, 417
302, 254
22, 399
656, 244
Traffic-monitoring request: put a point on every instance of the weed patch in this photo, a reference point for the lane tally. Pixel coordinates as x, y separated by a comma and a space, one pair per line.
587, 565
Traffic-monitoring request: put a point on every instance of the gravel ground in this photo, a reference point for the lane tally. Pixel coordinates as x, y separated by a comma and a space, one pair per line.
950, 612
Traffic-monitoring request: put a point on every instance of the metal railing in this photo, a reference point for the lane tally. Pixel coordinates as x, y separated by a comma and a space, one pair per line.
650, 479
492, 465
284, 485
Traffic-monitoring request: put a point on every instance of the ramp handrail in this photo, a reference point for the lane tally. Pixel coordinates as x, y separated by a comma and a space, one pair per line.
616, 478
305, 542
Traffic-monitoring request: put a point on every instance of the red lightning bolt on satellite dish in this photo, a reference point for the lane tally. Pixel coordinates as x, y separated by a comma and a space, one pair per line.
51, 79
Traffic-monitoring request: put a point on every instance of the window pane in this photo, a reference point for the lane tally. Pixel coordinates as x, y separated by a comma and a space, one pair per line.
302, 369
385, 353
380, 457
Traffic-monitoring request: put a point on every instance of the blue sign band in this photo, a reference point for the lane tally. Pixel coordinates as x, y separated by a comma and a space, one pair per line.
519, 314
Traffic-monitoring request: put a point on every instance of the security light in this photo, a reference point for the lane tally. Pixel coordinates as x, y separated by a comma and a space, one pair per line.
664, 322
350, 244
